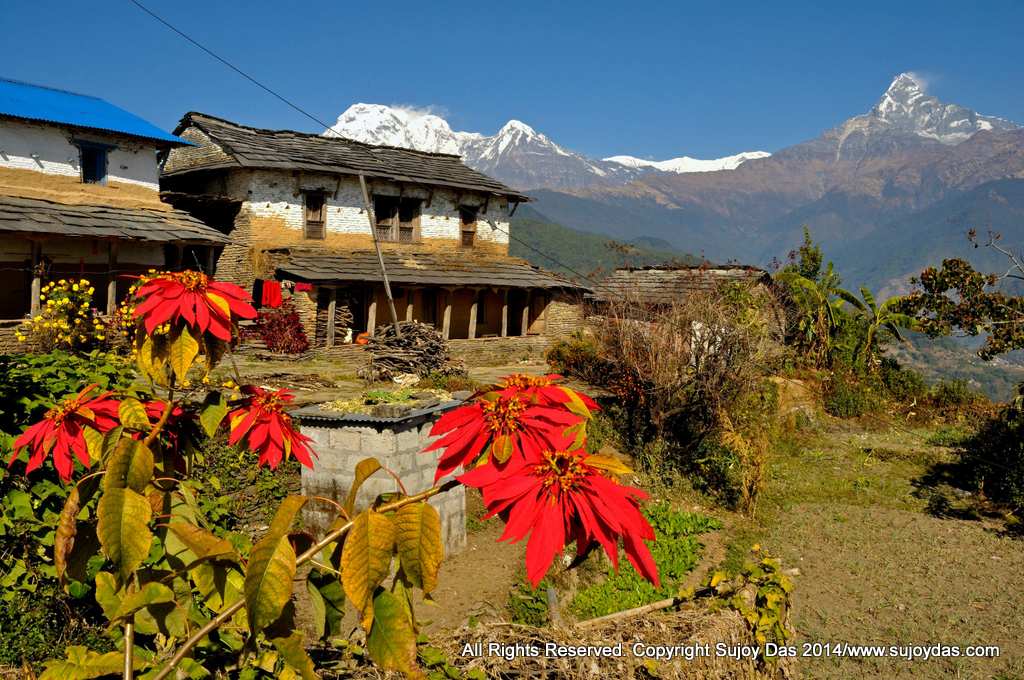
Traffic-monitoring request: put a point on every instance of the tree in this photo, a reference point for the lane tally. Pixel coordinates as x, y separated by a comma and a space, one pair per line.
956, 298
885, 316
819, 308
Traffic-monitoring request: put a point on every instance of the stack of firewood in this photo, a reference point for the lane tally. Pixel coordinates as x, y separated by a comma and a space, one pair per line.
420, 350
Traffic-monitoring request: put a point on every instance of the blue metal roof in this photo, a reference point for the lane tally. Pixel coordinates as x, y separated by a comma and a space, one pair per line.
35, 102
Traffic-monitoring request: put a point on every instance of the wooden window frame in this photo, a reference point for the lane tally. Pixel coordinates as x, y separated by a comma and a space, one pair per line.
468, 228
104, 158
314, 229
395, 225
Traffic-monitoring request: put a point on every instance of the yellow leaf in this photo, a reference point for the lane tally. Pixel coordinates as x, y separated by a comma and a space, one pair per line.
132, 414
294, 654
717, 578
183, 353
609, 464
419, 544
131, 466
366, 559
364, 469
67, 528
501, 448
123, 529
203, 544
220, 303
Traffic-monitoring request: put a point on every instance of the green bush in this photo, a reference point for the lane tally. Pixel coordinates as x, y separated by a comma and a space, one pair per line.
676, 551
846, 397
903, 384
993, 459
37, 617
953, 394
578, 356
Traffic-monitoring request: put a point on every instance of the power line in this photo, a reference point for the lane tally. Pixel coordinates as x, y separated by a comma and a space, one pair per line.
227, 63
309, 115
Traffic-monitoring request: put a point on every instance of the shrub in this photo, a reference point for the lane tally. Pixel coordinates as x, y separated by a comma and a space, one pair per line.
953, 394
902, 384
578, 356
67, 319
993, 459
281, 329
846, 397
676, 551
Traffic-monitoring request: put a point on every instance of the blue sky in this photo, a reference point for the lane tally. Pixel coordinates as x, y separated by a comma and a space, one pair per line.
650, 79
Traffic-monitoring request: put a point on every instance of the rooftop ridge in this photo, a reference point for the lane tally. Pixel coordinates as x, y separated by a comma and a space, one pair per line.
15, 81
313, 135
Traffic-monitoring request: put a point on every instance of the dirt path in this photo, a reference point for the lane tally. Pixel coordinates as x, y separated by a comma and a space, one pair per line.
877, 569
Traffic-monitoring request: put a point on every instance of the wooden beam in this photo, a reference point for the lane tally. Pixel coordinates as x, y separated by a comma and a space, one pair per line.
332, 307
37, 276
211, 260
446, 324
380, 256
472, 314
112, 277
504, 313
410, 301
371, 312
526, 314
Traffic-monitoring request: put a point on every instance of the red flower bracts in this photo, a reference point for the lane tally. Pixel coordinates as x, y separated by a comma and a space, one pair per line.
204, 304
545, 389
561, 496
62, 431
502, 425
269, 431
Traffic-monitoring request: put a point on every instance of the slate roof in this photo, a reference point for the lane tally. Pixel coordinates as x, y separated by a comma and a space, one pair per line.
665, 284
250, 147
425, 268
50, 105
34, 216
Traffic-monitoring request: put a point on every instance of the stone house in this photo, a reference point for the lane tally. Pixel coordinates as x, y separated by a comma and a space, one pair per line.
79, 196
304, 210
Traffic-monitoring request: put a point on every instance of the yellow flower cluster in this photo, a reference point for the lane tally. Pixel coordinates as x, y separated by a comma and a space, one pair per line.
66, 319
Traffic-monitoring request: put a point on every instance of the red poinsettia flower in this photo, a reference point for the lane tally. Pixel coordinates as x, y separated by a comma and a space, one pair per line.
62, 431
513, 425
204, 304
560, 496
172, 433
544, 389
268, 430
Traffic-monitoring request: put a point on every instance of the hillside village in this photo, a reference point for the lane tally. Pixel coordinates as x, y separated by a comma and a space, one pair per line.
285, 404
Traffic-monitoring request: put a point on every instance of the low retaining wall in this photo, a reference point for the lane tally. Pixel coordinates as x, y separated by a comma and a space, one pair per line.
342, 440
498, 351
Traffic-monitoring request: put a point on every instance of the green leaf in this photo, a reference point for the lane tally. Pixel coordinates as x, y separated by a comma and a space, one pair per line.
419, 544
133, 414
213, 414
294, 654
183, 352
392, 641
330, 591
108, 596
82, 664
93, 443
123, 529
364, 469
150, 593
268, 578
319, 607
366, 559
130, 466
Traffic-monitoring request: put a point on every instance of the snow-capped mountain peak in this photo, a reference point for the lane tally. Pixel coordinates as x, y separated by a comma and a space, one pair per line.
687, 164
517, 126
398, 126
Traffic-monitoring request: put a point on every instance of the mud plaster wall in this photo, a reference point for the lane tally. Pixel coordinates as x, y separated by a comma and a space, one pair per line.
48, 149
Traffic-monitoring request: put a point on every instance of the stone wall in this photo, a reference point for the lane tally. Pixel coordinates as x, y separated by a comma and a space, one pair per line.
565, 315
499, 351
342, 441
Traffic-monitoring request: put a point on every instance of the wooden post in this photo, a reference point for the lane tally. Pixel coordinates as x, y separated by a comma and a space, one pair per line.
332, 306
472, 314
112, 277
504, 313
37, 279
544, 315
380, 258
526, 313
410, 301
211, 260
446, 326
371, 312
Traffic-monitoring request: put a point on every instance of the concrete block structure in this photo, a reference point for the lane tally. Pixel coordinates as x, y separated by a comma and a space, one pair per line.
342, 440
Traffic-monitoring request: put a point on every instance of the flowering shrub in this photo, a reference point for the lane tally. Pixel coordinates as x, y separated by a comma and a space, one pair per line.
66, 320
167, 583
281, 329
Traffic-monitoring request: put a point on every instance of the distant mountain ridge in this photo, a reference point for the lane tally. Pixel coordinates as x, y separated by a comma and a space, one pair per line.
517, 154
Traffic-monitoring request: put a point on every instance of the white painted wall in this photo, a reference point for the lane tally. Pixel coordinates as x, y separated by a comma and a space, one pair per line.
273, 194
47, 148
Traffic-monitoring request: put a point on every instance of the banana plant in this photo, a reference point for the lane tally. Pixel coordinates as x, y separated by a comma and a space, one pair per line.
819, 317
878, 316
